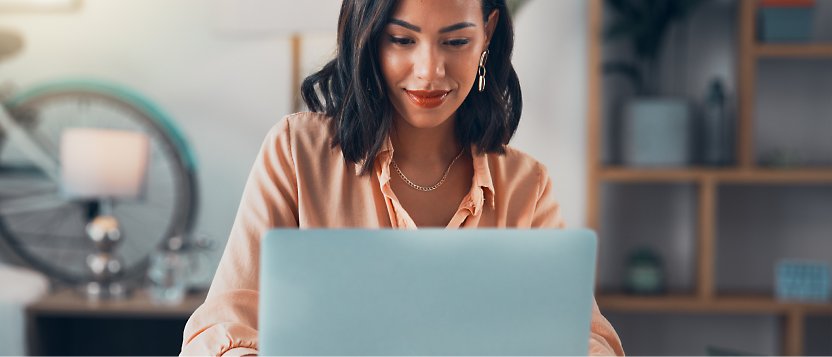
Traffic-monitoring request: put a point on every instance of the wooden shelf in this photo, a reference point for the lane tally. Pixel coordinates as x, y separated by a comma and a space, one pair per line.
727, 175
71, 303
623, 174
727, 304
793, 50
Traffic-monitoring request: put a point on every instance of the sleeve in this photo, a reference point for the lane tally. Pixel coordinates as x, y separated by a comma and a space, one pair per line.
226, 323
603, 340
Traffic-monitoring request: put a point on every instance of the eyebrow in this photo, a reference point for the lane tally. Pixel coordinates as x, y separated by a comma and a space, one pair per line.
413, 27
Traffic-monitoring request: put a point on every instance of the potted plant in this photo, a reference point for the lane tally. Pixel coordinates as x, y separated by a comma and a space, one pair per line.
656, 129
515, 5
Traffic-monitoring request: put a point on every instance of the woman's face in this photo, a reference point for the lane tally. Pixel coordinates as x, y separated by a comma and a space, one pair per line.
429, 56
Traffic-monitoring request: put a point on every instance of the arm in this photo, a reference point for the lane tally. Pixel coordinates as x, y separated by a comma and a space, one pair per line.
226, 324
603, 340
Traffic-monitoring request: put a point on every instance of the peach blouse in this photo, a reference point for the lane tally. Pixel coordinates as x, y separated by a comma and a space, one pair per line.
299, 180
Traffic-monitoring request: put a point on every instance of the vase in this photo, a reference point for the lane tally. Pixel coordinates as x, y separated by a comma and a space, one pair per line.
656, 132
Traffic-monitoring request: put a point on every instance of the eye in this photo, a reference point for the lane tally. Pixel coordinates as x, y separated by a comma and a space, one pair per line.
402, 41
459, 42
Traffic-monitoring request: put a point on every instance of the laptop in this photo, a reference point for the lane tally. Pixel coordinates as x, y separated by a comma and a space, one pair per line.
426, 292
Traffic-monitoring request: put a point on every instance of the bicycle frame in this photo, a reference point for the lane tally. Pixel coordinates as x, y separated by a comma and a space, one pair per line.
34, 152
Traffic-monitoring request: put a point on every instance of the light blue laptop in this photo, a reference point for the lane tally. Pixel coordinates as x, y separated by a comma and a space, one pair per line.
426, 292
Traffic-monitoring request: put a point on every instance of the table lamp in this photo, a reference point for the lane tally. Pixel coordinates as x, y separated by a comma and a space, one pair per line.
98, 167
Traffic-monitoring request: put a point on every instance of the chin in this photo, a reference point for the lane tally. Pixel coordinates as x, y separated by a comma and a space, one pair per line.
426, 120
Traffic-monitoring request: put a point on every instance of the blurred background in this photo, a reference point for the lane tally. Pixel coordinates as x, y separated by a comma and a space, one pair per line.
692, 134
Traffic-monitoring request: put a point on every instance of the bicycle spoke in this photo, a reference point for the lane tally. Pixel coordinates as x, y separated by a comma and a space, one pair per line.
46, 222
22, 138
31, 203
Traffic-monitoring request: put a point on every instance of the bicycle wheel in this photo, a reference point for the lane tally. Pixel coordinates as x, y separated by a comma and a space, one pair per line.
46, 230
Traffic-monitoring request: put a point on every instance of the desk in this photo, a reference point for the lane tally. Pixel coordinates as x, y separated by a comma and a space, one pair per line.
66, 323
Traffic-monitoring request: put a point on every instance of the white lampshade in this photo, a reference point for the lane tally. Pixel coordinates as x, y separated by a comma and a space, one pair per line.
99, 163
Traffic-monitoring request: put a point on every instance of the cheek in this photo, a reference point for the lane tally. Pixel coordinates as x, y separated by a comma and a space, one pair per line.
392, 67
464, 68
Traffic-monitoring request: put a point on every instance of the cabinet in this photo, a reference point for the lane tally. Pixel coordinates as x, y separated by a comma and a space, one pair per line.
707, 188
65, 323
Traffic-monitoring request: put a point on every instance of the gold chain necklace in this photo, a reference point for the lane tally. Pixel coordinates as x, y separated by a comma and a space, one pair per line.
427, 188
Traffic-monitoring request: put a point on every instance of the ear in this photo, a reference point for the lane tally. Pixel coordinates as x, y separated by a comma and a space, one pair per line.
490, 25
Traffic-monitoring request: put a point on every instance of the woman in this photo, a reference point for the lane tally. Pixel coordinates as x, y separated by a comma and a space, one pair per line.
409, 129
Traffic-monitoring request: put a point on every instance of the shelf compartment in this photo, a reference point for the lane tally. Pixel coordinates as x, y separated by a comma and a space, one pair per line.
759, 226
791, 126
661, 217
649, 334
817, 341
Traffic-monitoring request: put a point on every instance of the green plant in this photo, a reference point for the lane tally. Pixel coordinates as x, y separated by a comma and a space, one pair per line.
643, 24
515, 5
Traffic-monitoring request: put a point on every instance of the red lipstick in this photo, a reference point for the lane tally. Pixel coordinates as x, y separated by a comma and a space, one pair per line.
427, 98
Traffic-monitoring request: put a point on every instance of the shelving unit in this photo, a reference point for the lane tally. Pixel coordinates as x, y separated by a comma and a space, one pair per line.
704, 297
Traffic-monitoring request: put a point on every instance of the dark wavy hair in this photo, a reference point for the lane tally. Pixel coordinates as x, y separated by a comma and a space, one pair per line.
351, 89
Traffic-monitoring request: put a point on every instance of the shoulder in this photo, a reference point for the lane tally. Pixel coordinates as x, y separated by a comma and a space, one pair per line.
304, 130
303, 124
516, 165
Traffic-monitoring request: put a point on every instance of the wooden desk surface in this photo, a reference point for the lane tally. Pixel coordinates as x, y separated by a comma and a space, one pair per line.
69, 302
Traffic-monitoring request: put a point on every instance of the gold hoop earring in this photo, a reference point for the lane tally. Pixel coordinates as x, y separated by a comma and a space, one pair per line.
481, 71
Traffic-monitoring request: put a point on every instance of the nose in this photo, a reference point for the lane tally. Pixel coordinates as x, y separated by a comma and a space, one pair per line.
428, 63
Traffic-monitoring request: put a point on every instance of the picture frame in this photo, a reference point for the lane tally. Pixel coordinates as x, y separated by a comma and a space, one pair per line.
39, 5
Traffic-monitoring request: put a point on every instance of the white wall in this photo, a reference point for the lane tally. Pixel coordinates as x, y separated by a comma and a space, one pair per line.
225, 89
550, 58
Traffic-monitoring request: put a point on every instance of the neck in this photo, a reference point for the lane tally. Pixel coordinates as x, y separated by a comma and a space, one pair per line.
418, 146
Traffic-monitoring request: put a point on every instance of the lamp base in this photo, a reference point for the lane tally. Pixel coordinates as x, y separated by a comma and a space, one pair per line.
104, 264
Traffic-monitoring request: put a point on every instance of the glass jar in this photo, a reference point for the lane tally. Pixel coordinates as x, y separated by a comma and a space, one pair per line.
171, 268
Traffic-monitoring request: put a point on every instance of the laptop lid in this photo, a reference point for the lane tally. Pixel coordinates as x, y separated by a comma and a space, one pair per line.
426, 292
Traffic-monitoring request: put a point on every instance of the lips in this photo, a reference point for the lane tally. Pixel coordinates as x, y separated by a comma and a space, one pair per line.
427, 98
